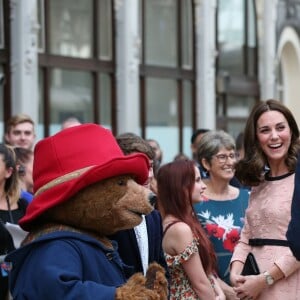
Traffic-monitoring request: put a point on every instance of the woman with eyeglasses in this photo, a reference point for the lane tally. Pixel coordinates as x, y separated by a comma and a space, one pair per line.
271, 148
222, 210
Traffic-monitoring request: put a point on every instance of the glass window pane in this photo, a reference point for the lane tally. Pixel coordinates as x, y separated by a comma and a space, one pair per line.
251, 51
140, 26
239, 106
71, 31
234, 127
70, 95
161, 32
105, 100
105, 29
187, 34
231, 35
220, 104
162, 115
2, 44
41, 22
41, 121
251, 24
187, 117
252, 61
280, 94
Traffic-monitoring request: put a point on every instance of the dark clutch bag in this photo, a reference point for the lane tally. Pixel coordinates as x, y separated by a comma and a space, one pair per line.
250, 266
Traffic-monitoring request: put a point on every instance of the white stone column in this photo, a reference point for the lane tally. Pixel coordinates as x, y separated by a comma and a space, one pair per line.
268, 50
205, 64
128, 50
24, 57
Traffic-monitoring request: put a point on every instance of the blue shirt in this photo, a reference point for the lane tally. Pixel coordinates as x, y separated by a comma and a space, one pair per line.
26, 196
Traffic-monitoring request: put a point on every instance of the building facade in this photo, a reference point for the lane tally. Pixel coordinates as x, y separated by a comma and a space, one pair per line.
159, 68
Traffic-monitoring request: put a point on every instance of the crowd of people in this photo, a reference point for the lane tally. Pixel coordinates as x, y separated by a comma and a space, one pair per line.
232, 198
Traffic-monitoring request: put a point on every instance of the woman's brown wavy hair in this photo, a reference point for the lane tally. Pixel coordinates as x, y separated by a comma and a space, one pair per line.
175, 183
250, 169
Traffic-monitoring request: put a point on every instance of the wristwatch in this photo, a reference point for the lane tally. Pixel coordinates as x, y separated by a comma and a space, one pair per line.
269, 279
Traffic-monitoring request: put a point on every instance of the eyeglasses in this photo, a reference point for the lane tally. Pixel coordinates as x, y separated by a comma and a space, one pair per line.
222, 158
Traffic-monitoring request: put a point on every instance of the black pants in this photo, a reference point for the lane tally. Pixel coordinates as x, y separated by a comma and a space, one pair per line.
3, 288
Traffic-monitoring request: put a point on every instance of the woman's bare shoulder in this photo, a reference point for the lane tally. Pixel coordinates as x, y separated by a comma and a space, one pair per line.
181, 231
177, 238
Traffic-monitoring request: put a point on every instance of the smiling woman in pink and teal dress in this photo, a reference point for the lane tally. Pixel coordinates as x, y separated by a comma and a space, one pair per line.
222, 210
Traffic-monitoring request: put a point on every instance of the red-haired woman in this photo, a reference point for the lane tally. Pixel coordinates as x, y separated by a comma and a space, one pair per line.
189, 253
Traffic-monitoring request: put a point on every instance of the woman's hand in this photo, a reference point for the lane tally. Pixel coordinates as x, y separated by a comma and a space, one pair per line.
231, 294
236, 279
220, 295
235, 271
249, 287
228, 290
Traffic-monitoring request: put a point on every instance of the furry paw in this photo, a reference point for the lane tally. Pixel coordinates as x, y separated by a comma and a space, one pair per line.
156, 280
135, 289
152, 287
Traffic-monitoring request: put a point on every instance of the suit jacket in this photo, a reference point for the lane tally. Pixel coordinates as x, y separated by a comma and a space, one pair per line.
128, 247
293, 232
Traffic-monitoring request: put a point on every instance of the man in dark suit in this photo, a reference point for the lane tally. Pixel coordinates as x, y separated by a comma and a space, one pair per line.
293, 233
141, 245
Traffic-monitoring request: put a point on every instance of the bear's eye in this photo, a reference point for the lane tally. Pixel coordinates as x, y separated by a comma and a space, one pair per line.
121, 182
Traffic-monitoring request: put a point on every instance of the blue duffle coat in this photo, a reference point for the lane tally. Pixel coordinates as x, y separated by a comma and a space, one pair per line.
65, 265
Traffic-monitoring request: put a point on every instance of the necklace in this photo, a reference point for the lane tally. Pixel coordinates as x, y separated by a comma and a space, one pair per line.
9, 210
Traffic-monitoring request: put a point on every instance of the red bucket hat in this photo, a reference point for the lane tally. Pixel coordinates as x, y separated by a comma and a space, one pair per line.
74, 158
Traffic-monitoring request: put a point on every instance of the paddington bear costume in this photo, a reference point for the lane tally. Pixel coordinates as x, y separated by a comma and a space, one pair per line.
85, 189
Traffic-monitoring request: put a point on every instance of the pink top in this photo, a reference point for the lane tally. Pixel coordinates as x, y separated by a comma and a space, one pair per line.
268, 216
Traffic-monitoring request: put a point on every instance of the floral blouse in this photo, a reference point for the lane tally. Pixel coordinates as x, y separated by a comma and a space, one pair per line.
223, 221
180, 286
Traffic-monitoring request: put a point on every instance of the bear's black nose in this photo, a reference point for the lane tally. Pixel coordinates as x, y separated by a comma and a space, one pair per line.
152, 199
